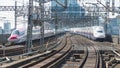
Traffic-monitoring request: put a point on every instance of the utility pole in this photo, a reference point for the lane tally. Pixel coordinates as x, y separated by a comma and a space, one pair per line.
107, 15
3, 43
30, 26
15, 14
56, 21
42, 23
98, 15
113, 7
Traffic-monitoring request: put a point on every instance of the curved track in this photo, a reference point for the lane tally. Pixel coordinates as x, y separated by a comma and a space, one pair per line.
88, 55
58, 52
64, 55
92, 57
18, 49
50, 61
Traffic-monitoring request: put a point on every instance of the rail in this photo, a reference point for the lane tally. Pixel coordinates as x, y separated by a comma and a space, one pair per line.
23, 61
85, 58
91, 52
46, 61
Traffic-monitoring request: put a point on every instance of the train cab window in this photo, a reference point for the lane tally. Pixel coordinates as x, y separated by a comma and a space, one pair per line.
100, 31
34, 31
22, 32
16, 32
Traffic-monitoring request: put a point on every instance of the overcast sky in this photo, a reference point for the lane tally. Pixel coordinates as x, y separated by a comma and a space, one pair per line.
9, 16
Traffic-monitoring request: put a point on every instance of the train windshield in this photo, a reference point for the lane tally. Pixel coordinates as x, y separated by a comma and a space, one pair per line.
100, 31
16, 32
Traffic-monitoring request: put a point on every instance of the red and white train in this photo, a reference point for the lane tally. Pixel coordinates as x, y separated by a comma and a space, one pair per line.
20, 35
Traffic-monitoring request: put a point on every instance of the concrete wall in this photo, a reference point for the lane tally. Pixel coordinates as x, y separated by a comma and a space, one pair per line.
3, 38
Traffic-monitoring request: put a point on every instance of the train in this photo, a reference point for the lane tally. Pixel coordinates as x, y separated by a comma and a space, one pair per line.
93, 32
20, 35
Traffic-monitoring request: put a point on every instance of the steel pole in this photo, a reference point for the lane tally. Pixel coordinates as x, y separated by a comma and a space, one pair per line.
30, 26
15, 14
42, 10
119, 35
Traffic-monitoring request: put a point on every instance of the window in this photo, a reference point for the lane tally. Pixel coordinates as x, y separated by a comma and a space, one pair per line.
100, 31
22, 32
34, 31
16, 32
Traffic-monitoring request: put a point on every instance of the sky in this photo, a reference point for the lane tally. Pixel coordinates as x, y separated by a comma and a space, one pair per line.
8, 16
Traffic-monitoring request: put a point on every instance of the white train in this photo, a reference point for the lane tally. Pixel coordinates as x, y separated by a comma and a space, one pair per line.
20, 35
94, 32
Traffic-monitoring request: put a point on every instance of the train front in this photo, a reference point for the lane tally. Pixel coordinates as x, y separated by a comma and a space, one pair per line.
14, 37
99, 32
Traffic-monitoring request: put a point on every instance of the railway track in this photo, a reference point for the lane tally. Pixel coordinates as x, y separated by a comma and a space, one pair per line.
58, 52
92, 57
17, 52
89, 58
20, 48
12, 50
74, 59
83, 53
52, 60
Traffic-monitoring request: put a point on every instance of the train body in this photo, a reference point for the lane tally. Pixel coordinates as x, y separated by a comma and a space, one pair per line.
93, 32
20, 35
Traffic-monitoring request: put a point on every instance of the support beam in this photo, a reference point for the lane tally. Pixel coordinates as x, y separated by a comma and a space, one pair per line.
63, 5
15, 14
11, 8
30, 26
